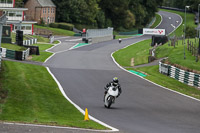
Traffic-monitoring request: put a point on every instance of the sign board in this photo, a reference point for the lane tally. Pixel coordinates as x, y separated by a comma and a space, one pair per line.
153, 31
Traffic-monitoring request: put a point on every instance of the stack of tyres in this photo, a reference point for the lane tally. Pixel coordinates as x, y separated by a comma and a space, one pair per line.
10, 54
18, 55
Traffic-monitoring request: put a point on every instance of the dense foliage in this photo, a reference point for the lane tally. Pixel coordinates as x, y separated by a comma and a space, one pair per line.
123, 14
182, 3
120, 14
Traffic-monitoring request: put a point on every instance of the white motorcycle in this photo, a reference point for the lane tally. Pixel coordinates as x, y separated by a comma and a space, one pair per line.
109, 98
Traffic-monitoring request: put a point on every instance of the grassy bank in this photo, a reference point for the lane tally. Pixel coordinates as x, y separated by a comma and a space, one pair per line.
163, 80
176, 55
30, 95
56, 31
138, 51
13, 47
43, 54
158, 20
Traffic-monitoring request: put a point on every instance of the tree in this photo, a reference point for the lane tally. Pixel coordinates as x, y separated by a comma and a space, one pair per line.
118, 12
77, 11
102, 13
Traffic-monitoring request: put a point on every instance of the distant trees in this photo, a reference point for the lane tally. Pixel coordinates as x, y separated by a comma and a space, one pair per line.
182, 3
120, 14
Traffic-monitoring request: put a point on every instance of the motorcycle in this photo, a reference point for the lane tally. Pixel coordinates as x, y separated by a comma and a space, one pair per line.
109, 98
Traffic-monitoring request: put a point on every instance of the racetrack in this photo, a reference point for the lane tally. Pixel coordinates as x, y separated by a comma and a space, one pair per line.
142, 107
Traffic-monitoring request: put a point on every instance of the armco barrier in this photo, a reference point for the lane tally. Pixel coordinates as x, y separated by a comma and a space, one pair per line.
10, 54
183, 76
17, 55
25, 54
3, 52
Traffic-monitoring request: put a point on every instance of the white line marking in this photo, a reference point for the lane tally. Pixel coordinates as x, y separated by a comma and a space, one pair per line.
73, 40
49, 57
147, 79
173, 26
61, 37
153, 82
82, 111
47, 50
58, 127
160, 21
179, 24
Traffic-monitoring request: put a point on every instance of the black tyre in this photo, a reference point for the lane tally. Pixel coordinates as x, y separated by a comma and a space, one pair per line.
110, 99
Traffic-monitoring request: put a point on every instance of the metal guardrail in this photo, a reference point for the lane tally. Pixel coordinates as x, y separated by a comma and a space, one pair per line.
189, 78
3, 20
12, 54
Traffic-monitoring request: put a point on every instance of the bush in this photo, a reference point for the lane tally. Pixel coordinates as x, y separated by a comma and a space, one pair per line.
65, 26
53, 25
190, 32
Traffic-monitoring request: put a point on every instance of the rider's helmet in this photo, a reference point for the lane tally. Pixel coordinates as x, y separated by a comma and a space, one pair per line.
115, 81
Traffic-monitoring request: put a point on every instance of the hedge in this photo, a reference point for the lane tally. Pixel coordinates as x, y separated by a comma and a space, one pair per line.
65, 26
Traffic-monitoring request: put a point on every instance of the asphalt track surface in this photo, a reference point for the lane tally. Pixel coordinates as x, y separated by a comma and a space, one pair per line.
142, 107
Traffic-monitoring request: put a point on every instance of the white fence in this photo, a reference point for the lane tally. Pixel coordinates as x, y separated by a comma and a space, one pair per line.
189, 78
30, 42
25, 54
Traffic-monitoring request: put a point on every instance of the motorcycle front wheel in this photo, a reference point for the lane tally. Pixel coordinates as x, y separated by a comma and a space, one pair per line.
110, 100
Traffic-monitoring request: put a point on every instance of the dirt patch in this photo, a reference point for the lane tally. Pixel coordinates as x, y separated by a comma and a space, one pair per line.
132, 62
29, 57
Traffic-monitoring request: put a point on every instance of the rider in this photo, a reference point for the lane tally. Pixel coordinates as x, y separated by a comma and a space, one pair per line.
115, 83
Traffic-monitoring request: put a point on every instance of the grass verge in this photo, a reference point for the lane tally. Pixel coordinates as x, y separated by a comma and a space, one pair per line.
43, 54
176, 55
57, 31
34, 97
158, 20
13, 47
138, 51
165, 81
41, 39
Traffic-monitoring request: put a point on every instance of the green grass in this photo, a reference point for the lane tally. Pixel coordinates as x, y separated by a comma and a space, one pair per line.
13, 47
32, 96
57, 31
189, 21
176, 55
43, 54
158, 20
165, 81
56, 42
41, 39
138, 51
